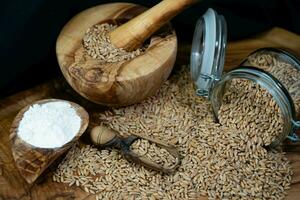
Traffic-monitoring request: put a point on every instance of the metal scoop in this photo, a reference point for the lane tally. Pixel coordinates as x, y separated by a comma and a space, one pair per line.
103, 136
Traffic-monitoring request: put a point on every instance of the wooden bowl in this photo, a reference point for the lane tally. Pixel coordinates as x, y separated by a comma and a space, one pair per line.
32, 161
125, 83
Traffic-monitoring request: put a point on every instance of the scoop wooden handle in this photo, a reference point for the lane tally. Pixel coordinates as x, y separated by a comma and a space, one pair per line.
102, 135
132, 34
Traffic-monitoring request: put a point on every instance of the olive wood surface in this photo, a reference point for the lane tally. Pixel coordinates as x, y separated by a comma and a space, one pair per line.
13, 186
120, 83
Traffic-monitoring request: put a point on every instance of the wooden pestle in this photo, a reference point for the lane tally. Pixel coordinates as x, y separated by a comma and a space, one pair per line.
133, 34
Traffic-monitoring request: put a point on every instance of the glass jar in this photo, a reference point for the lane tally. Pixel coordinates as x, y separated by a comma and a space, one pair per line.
274, 70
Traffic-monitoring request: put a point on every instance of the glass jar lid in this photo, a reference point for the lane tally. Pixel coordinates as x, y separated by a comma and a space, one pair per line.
208, 51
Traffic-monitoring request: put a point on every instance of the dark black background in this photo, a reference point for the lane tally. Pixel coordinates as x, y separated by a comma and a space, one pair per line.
29, 29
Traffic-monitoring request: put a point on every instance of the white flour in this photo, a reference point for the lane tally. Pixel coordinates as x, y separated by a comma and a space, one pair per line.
49, 125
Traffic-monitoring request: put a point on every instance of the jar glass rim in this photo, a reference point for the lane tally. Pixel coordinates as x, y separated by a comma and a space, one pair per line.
208, 51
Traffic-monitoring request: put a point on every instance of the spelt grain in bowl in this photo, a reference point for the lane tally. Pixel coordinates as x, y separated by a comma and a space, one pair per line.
221, 162
96, 43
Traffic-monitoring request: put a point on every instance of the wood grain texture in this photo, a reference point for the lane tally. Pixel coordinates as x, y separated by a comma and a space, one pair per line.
279, 38
32, 161
13, 186
134, 33
121, 83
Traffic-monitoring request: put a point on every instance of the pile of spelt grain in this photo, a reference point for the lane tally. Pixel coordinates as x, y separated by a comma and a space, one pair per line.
153, 152
285, 72
217, 161
248, 106
97, 44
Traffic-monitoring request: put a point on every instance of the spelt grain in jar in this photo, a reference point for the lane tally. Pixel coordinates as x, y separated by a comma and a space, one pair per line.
282, 65
261, 96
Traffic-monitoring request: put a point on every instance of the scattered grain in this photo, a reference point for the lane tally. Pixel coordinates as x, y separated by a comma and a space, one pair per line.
217, 161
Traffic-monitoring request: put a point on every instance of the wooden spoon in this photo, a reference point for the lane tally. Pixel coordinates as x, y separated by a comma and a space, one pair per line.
32, 161
103, 136
121, 83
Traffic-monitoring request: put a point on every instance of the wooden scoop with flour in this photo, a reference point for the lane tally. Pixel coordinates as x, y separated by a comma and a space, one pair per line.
121, 83
32, 161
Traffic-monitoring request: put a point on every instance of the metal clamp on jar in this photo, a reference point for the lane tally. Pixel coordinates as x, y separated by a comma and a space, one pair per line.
207, 64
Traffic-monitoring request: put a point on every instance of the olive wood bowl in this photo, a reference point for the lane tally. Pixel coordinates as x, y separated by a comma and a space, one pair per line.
121, 83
